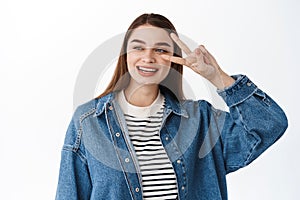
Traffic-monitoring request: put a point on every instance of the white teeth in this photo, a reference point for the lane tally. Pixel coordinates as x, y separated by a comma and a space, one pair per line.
147, 69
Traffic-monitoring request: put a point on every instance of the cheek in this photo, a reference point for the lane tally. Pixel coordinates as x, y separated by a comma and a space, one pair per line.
131, 59
165, 63
165, 66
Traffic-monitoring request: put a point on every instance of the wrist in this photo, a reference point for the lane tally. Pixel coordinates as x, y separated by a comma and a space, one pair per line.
222, 80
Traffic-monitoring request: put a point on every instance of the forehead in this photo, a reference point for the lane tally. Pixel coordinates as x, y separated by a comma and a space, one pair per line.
150, 35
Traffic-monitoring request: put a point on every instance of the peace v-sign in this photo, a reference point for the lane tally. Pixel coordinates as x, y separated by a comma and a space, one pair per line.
202, 62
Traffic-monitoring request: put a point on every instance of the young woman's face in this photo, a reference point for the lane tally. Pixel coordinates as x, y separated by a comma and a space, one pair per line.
144, 49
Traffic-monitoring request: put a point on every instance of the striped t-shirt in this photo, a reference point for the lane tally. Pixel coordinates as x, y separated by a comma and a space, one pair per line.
158, 176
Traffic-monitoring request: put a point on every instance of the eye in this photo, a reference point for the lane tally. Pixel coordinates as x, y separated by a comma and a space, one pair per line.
138, 48
158, 50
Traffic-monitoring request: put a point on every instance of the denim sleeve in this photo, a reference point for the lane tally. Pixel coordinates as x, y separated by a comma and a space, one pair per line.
254, 123
74, 181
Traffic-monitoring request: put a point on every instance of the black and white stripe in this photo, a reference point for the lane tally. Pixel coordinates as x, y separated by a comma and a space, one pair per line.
143, 124
158, 177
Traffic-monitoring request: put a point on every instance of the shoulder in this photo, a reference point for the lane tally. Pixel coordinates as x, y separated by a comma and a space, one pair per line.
74, 132
85, 109
92, 107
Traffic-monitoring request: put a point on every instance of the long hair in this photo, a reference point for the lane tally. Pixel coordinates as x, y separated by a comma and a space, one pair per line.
121, 77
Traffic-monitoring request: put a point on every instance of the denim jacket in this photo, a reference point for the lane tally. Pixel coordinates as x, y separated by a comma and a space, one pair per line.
204, 144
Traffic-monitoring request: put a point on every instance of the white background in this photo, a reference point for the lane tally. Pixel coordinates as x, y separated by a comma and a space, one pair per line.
43, 45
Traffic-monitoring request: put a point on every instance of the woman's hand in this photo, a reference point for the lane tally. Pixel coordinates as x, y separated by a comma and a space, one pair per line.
202, 62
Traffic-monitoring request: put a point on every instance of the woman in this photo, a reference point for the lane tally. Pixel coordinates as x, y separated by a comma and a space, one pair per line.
141, 139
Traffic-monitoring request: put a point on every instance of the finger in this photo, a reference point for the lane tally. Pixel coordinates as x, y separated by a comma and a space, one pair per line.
202, 53
207, 55
202, 48
181, 44
174, 59
201, 58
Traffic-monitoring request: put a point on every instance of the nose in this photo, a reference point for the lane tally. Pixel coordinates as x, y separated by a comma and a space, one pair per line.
148, 56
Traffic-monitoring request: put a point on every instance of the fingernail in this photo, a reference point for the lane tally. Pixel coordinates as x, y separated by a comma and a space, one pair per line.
173, 35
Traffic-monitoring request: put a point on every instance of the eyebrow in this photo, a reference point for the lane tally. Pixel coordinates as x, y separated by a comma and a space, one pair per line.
156, 44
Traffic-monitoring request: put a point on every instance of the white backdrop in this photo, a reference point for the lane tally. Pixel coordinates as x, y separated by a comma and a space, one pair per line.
43, 45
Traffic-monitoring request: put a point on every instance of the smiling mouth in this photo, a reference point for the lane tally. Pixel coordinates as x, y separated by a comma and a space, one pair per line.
146, 69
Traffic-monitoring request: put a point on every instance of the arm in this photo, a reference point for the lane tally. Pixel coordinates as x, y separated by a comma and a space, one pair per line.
74, 180
254, 123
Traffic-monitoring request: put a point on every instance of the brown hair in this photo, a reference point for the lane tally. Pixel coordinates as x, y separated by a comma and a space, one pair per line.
121, 78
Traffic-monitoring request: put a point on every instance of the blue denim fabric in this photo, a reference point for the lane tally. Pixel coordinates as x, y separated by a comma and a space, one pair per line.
204, 144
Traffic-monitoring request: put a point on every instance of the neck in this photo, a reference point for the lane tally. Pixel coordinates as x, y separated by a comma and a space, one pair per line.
141, 95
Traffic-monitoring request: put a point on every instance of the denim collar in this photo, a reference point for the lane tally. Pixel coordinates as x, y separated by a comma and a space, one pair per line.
171, 103
102, 102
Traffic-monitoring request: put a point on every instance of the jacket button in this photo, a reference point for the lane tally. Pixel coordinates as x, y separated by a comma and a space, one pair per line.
110, 108
137, 189
249, 84
118, 134
167, 138
127, 160
178, 161
182, 188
